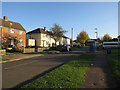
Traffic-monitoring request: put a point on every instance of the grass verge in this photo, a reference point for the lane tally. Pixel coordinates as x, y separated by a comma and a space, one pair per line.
51, 52
69, 75
5, 59
8, 53
114, 62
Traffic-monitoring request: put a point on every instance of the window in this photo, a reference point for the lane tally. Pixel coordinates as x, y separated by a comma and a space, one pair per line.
20, 41
47, 42
43, 35
20, 32
47, 36
12, 31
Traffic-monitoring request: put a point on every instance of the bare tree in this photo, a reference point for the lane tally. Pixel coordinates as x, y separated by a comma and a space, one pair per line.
57, 32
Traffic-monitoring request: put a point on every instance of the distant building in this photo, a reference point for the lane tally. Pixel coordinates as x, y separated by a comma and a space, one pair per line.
12, 33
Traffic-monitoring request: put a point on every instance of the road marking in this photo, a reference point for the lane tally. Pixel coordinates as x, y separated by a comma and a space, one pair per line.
20, 65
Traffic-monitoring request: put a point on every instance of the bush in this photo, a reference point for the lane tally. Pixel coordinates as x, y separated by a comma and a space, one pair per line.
53, 44
3, 47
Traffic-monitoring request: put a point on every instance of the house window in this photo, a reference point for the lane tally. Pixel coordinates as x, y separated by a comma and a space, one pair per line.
43, 35
5, 39
47, 36
47, 42
21, 42
12, 31
20, 32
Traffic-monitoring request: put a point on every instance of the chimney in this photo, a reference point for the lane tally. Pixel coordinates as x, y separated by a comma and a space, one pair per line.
5, 18
45, 28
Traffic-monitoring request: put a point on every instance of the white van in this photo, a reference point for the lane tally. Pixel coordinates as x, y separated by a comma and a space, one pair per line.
110, 44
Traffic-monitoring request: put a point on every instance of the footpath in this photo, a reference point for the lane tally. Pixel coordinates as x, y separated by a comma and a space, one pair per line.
99, 74
14, 57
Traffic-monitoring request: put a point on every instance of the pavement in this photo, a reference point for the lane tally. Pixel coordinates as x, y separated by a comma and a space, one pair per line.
99, 74
20, 72
19, 56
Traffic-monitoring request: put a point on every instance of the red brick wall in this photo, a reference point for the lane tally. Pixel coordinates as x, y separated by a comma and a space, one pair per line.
6, 33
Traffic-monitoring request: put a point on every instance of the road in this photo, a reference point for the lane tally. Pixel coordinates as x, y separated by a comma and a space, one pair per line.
17, 73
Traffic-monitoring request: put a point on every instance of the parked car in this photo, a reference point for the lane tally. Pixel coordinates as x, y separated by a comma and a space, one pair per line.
10, 47
63, 48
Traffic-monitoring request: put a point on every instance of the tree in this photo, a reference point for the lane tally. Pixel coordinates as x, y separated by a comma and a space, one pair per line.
99, 40
82, 37
57, 32
106, 38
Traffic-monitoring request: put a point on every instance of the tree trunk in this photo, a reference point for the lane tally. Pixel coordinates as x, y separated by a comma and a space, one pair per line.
55, 43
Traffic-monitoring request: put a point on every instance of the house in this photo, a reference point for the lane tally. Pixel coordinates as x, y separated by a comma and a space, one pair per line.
66, 40
12, 33
43, 38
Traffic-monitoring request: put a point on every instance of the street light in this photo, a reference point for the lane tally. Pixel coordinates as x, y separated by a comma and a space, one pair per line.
96, 33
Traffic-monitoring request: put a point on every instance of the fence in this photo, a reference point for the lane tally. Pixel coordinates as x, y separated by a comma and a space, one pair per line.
32, 50
29, 50
42, 49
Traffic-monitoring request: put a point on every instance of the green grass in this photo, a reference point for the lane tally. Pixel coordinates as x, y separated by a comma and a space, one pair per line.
114, 62
51, 52
5, 59
8, 53
11, 53
69, 75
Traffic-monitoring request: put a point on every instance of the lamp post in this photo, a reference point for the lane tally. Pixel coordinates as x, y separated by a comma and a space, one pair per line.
72, 34
96, 32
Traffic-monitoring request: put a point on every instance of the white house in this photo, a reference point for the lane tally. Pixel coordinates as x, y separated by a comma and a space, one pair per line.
43, 38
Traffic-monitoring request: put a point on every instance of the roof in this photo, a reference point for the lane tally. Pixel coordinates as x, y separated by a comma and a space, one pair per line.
40, 30
14, 25
65, 37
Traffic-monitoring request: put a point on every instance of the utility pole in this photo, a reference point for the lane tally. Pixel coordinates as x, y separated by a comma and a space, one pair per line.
72, 34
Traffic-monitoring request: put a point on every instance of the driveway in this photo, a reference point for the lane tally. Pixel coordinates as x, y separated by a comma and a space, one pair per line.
17, 73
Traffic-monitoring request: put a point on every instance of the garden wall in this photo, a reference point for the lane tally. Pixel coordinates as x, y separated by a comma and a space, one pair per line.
3, 52
42, 49
29, 50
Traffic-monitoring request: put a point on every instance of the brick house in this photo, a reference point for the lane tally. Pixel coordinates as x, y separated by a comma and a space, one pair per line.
12, 33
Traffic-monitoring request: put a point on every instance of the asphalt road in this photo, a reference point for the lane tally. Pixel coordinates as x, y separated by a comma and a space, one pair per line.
17, 73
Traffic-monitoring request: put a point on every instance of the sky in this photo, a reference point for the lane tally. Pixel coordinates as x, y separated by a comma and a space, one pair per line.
77, 15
